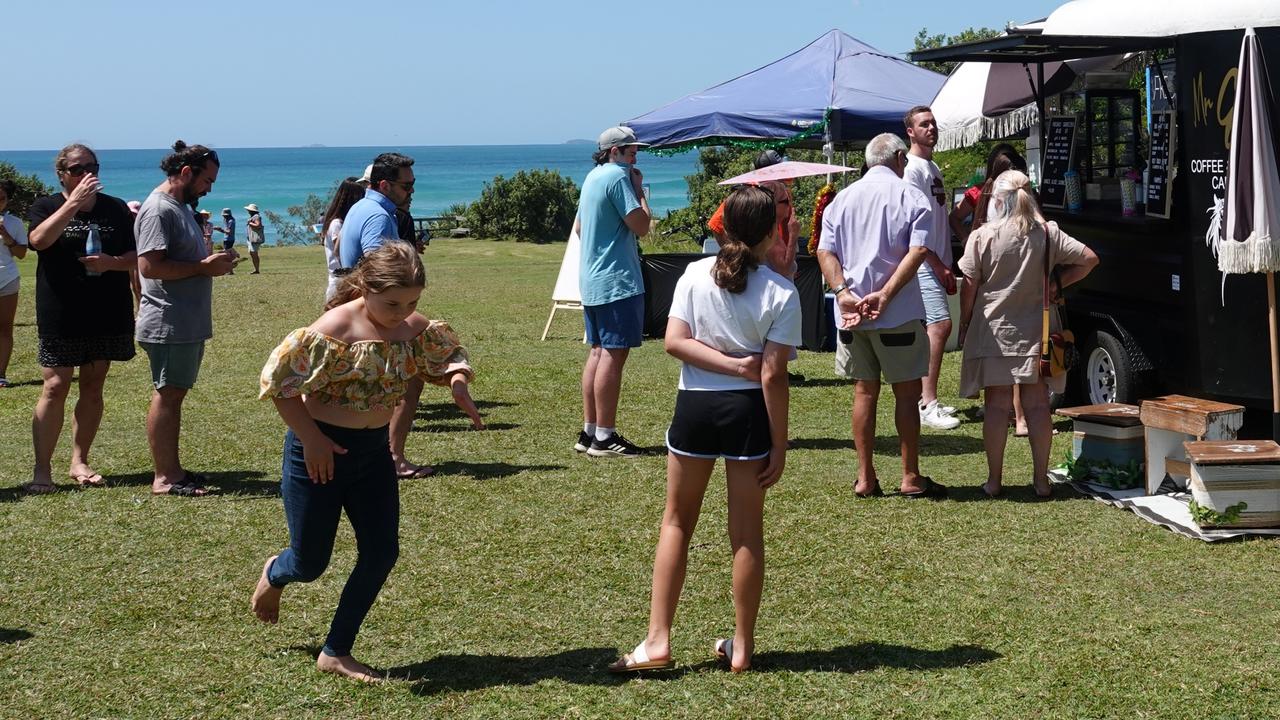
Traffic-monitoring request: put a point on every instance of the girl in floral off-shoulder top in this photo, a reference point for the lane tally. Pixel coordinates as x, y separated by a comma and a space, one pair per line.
335, 384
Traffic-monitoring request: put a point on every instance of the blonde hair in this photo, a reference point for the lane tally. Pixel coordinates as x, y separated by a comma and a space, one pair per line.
394, 265
1016, 204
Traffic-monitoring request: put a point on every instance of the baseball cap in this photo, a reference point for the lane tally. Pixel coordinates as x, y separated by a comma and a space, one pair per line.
367, 177
226, 211
767, 158
619, 136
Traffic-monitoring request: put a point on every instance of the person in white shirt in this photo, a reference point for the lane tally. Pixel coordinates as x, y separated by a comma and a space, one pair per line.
935, 276
733, 324
13, 247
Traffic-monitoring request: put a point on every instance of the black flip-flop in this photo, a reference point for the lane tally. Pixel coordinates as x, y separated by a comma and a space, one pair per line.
875, 493
932, 490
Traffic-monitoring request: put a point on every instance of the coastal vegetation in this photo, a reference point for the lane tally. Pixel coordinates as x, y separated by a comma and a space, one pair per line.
524, 568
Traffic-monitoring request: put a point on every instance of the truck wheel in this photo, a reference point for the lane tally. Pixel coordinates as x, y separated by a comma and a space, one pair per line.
1107, 375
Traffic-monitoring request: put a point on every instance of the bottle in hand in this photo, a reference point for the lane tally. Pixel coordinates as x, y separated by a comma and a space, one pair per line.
93, 246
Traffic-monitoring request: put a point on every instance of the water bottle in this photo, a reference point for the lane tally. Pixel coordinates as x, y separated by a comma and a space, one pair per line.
93, 246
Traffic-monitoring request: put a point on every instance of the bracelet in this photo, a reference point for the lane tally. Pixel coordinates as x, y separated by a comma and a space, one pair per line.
836, 291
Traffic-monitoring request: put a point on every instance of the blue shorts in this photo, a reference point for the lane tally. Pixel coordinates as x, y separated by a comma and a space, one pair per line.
175, 365
616, 325
936, 309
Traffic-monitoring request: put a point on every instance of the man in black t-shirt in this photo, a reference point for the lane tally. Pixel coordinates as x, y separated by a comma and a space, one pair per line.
84, 307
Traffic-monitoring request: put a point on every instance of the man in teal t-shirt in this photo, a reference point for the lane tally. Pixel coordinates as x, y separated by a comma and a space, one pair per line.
612, 215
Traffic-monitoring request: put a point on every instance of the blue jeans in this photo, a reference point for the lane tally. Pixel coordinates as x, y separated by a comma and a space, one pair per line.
365, 485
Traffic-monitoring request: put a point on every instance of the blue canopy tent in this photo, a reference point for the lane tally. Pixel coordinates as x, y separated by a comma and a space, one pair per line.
835, 89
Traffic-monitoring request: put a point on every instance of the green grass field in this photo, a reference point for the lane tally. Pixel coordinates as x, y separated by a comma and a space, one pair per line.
524, 568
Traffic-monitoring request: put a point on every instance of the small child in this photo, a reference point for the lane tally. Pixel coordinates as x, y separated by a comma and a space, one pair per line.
335, 384
733, 324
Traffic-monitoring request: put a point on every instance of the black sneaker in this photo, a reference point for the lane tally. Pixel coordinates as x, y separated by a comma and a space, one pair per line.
584, 442
614, 446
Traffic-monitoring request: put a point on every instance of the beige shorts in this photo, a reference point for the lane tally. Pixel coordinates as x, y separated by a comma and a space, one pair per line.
899, 354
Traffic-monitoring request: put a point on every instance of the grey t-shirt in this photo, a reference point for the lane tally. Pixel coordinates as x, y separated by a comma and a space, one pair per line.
172, 311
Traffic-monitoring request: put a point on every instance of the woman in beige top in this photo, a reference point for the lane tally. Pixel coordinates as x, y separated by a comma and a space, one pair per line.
1004, 265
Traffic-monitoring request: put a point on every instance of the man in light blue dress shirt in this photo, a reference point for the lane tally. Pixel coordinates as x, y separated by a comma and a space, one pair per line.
372, 220
874, 238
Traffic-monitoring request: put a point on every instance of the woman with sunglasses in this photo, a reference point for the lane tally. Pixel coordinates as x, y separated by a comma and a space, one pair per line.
84, 307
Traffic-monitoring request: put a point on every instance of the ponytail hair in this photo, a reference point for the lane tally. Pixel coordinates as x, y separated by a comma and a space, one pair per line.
1019, 207
749, 218
394, 265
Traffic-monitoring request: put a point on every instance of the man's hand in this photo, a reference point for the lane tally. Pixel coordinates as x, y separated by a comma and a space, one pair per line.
637, 181
219, 263
872, 305
84, 195
948, 280
850, 308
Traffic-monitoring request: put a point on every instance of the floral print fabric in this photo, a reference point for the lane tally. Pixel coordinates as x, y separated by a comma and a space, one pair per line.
364, 375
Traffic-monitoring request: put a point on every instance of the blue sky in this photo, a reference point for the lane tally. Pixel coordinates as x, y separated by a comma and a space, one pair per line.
463, 72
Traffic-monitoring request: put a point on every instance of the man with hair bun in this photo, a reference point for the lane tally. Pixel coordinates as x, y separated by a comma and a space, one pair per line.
175, 315
873, 241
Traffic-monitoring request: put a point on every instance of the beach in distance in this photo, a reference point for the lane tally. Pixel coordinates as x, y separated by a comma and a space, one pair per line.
276, 178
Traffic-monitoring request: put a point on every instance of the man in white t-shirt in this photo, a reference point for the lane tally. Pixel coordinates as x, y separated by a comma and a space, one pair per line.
935, 276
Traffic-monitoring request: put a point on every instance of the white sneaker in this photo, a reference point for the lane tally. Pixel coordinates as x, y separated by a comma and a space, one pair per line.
932, 416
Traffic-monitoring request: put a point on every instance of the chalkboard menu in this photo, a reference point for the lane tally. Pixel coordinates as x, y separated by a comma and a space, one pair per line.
1159, 171
1059, 152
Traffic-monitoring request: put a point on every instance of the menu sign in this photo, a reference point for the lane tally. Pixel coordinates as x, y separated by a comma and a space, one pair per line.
1059, 154
1159, 170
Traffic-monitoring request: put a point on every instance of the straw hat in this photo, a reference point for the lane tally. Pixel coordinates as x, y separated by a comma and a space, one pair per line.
205, 213
251, 207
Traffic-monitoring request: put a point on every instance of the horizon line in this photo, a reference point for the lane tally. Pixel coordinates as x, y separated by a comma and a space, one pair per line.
321, 146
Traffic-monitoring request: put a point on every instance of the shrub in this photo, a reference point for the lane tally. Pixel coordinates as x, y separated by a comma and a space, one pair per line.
532, 206
29, 188
310, 212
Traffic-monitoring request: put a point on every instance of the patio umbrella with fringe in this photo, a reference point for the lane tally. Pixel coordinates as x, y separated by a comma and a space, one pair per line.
1250, 228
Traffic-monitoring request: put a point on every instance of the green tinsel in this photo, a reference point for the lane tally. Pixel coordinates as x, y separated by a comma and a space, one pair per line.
812, 130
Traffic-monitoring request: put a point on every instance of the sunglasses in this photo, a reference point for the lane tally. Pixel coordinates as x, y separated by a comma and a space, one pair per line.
405, 185
79, 169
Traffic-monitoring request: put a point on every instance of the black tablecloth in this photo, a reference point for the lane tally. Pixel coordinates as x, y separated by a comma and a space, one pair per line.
661, 271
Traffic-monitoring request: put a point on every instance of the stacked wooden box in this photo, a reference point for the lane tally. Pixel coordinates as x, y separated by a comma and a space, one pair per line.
1170, 421
1110, 431
1227, 473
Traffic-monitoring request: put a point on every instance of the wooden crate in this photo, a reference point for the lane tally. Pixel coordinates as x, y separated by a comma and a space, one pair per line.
1110, 431
1171, 420
1225, 473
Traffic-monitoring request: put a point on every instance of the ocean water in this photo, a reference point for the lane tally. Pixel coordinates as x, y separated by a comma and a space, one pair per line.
276, 178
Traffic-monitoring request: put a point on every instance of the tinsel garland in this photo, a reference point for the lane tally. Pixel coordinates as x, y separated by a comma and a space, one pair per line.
815, 129
820, 204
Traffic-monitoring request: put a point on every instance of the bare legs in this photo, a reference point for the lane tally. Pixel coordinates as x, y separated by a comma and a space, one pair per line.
401, 423
938, 333
998, 401
602, 385
8, 309
686, 484
46, 422
164, 421
254, 257
906, 416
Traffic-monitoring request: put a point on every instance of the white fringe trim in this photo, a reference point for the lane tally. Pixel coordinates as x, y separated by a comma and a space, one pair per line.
1259, 253
987, 128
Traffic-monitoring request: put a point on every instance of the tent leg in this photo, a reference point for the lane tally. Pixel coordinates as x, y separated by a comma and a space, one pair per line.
1275, 357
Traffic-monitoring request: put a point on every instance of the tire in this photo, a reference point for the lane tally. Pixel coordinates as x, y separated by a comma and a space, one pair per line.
1106, 372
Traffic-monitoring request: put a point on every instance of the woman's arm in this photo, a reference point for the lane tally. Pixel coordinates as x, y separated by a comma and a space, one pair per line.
681, 345
962, 210
968, 296
777, 398
317, 448
1072, 274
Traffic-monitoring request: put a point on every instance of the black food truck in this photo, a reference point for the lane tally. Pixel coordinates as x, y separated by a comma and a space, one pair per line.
1156, 315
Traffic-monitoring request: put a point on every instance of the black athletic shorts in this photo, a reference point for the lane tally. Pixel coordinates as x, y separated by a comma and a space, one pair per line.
732, 424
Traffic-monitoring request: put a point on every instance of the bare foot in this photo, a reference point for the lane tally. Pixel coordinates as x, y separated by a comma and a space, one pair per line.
266, 597
992, 488
347, 666
86, 476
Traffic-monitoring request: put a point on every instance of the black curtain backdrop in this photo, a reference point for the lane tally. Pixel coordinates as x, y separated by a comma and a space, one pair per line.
661, 272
